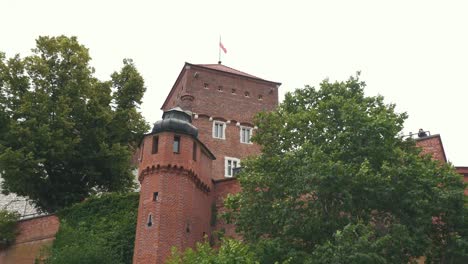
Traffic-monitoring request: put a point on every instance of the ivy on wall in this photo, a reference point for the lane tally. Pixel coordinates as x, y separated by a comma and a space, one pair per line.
99, 230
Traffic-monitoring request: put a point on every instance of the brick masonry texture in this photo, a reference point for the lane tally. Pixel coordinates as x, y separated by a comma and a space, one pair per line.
33, 234
222, 96
432, 145
187, 189
182, 212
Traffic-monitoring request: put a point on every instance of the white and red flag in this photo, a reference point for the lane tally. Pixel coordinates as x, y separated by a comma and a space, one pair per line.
222, 47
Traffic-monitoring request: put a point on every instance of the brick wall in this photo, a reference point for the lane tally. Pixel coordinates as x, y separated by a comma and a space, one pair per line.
181, 214
222, 189
221, 96
432, 145
34, 234
221, 148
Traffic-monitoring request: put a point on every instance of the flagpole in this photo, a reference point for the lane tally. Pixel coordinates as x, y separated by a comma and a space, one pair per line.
219, 50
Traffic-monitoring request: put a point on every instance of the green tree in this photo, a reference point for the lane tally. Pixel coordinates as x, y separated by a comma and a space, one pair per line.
8, 232
64, 134
230, 252
333, 157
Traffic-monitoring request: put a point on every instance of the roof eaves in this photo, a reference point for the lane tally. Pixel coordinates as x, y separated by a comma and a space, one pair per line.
246, 75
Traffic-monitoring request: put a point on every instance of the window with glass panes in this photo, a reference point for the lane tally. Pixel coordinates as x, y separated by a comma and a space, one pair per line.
245, 134
218, 129
229, 165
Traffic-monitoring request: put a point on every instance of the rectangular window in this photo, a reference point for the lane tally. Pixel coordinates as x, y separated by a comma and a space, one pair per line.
176, 144
245, 135
219, 129
229, 165
155, 146
194, 155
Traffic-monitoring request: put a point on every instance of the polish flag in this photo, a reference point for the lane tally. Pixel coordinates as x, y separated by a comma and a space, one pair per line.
222, 47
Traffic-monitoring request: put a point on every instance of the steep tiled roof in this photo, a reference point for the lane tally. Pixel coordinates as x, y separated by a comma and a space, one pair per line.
220, 67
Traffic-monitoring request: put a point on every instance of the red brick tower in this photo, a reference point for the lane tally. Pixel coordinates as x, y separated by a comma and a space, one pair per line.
223, 101
180, 178
176, 189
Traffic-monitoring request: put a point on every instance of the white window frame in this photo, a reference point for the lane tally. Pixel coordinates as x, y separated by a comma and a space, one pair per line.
228, 172
224, 129
249, 141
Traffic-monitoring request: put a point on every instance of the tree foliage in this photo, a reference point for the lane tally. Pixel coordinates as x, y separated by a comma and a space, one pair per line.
333, 166
64, 134
230, 252
98, 230
8, 222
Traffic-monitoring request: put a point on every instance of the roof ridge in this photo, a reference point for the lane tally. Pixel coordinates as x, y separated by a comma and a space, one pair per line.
215, 66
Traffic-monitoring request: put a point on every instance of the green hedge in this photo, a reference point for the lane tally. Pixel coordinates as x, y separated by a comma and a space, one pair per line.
98, 230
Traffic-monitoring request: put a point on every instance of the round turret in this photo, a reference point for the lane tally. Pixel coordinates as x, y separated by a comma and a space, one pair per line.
176, 120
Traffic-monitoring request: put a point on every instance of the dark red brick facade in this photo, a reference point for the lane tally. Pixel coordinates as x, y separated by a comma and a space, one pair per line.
178, 215
432, 145
33, 235
219, 93
191, 192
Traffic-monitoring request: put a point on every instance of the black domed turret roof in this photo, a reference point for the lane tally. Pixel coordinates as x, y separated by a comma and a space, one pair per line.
176, 120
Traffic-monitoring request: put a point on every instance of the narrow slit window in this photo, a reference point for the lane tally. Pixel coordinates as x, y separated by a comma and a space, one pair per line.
150, 220
176, 144
155, 196
155, 146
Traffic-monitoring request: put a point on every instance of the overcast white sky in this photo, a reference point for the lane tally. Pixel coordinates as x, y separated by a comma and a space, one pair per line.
415, 53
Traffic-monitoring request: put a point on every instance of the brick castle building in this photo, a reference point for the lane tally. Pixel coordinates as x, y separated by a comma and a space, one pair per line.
187, 163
